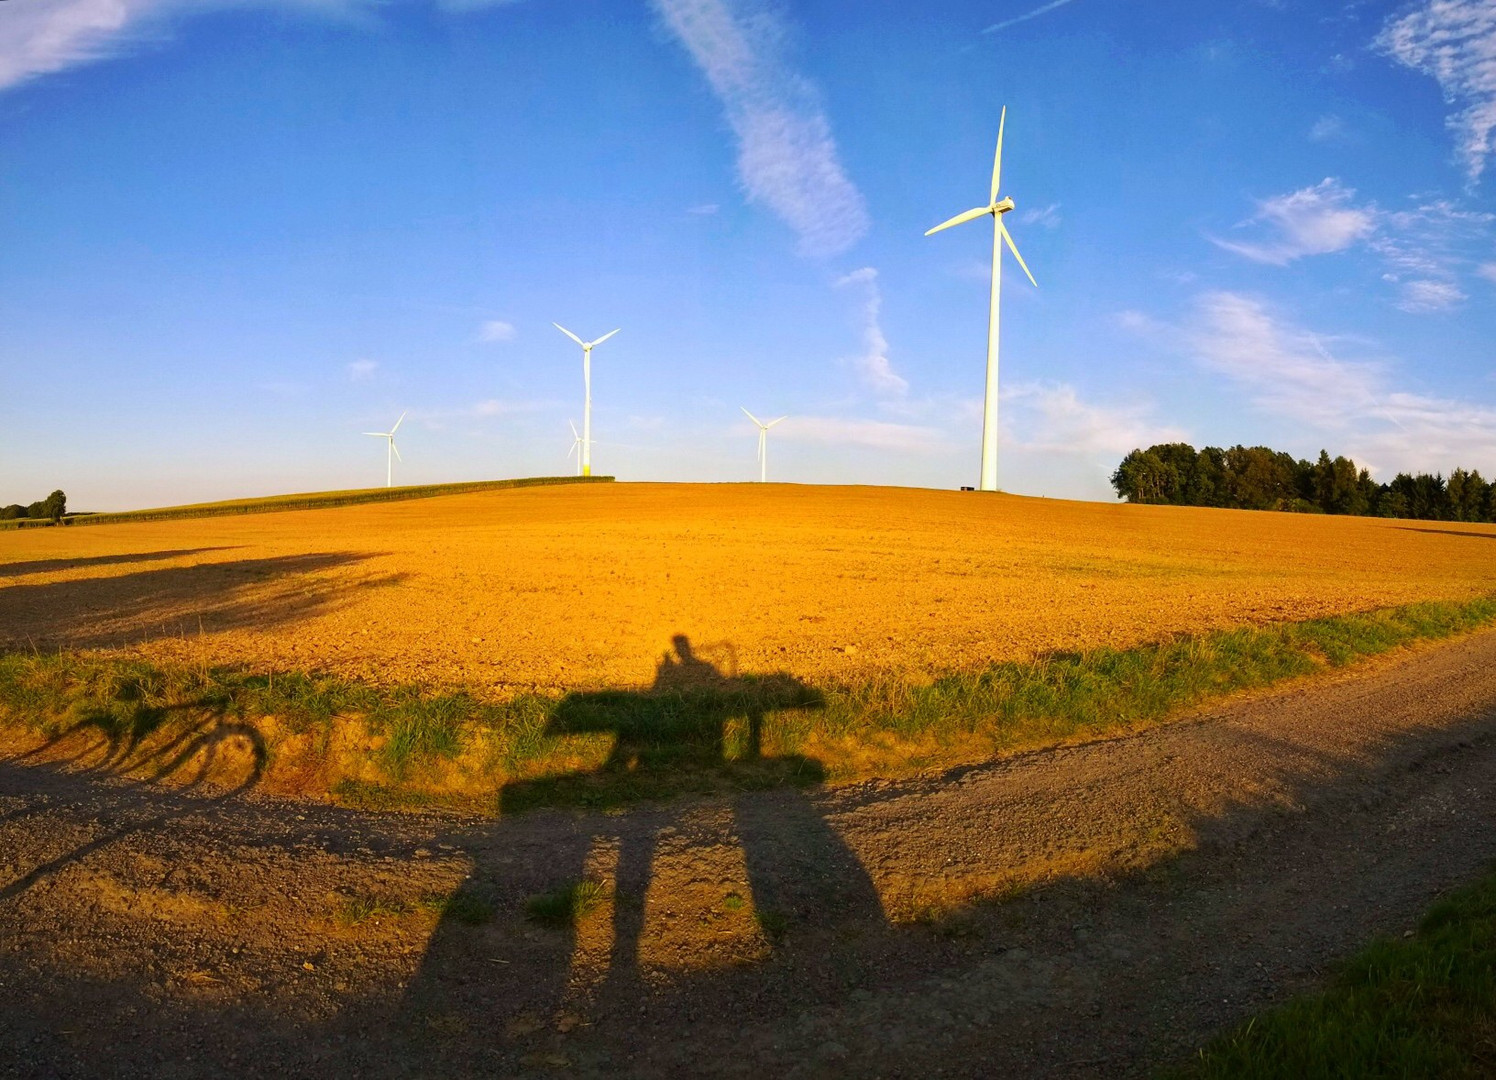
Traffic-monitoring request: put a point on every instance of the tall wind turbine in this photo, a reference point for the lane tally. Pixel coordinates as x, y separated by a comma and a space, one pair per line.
587, 347
393, 453
576, 442
763, 443
997, 208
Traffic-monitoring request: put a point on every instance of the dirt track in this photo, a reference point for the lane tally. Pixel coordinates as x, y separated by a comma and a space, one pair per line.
583, 587
1182, 878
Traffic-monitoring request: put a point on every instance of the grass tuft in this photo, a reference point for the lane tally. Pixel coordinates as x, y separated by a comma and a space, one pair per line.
567, 905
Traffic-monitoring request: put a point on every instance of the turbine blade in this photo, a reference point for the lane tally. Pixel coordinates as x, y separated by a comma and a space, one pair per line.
574, 433
961, 219
569, 334
396, 449
771, 423
604, 338
997, 162
1014, 249
399, 422
378, 434
750, 416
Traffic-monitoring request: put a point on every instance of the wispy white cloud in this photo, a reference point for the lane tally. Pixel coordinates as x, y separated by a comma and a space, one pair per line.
1328, 129
1424, 248
1427, 295
704, 209
39, 37
1454, 42
496, 330
1047, 216
787, 157
1042, 9
1311, 221
1289, 371
875, 434
1331, 390
362, 370
497, 407
872, 364
1052, 417
474, 5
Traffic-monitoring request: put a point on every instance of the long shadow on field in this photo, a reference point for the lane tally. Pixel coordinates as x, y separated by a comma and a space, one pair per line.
1449, 532
179, 601
47, 566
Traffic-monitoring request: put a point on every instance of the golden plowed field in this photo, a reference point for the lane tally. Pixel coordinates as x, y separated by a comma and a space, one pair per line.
584, 587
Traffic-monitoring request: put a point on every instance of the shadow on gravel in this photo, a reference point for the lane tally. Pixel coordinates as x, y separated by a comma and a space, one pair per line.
178, 601
1185, 878
197, 754
47, 566
697, 725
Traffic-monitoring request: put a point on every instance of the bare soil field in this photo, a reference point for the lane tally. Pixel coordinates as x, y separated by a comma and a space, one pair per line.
571, 588
1138, 894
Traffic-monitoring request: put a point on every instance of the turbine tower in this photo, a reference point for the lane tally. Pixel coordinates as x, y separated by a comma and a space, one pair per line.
997, 208
587, 347
763, 443
393, 452
576, 441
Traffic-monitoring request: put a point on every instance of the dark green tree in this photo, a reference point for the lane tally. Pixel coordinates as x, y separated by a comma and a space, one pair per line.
1144, 478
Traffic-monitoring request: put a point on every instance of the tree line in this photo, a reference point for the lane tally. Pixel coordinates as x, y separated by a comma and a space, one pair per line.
1259, 478
53, 507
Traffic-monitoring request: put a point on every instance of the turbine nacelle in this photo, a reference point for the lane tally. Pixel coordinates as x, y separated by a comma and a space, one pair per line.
1004, 206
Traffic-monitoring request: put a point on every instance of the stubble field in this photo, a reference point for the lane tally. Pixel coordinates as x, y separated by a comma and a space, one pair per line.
575, 588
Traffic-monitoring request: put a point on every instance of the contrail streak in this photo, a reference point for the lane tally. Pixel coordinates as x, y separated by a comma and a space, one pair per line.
1042, 9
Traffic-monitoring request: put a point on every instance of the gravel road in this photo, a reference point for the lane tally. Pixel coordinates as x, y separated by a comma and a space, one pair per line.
1088, 911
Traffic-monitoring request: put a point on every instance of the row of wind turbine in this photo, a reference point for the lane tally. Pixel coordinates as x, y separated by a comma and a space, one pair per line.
996, 208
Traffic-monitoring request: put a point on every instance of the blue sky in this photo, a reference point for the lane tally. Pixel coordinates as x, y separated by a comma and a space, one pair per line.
234, 235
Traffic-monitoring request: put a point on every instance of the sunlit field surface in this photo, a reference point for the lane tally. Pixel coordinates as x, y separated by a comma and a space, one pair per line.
575, 588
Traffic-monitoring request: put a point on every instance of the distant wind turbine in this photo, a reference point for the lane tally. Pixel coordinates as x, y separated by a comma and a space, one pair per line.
763, 443
576, 442
997, 208
393, 453
587, 347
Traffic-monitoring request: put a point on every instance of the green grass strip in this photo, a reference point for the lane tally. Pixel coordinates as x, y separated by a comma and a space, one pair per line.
317, 500
1420, 1007
744, 732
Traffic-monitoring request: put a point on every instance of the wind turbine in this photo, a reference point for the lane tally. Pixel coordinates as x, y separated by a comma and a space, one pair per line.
997, 208
576, 441
763, 443
587, 347
394, 452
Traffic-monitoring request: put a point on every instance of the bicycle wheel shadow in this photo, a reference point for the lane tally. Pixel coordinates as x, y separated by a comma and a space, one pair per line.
697, 728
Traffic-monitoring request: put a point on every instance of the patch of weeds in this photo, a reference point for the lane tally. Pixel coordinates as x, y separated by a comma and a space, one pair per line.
363, 795
772, 923
733, 902
567, 905
460, 906
359, 909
